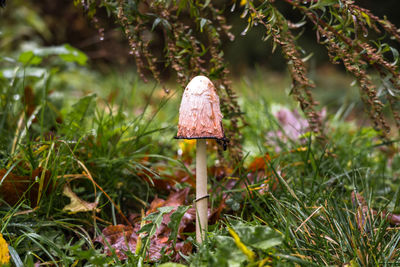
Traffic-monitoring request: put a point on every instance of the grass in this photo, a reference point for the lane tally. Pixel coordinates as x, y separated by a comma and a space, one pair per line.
112, 148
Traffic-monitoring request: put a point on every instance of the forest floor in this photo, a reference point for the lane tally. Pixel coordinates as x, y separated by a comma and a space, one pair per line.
90, 174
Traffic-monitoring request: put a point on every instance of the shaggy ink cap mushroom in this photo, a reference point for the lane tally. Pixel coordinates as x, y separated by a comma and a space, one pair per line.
200, 116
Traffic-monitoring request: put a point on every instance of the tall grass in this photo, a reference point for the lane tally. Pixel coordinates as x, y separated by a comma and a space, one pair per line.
95, 145
313, 206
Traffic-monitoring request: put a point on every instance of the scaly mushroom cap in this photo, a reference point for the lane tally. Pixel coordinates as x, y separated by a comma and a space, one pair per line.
199, 115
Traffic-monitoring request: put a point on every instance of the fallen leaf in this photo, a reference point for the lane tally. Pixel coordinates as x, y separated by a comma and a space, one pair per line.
393, 218
14, 187
117, 237
155, 204
259, 171
216, 213
220, 172
166, 181
176, 219
364, 213
259, 163
122, 238
174, 199
29, 100
77, 204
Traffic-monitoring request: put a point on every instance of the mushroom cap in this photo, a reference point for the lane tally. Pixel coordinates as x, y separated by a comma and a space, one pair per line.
199, 114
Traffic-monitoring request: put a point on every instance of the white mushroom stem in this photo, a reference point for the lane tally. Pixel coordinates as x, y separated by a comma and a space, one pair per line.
201, 190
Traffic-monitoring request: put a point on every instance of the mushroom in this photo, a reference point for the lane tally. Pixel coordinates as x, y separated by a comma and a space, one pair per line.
200, 118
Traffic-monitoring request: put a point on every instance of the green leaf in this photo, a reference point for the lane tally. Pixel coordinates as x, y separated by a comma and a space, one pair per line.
155, 219
80, 110
306, 58
203, 22
29, 57
226, 246
367, 19
155, 23
74, 55
147, 228
165, 210
395, 55
298, 24
166, 24
171, 264
176, 218
259, 236
65, 52
26, 72
182, 4
7, 59
354, 263
323, 3
15, 257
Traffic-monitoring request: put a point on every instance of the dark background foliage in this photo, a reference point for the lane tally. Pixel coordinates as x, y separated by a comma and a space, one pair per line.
68, 23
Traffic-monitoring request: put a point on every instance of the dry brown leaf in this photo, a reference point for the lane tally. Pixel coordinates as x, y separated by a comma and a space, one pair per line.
364, 213
122, 238
168, 181
117, 237
77, 204
29, 100
14, 187
259, 170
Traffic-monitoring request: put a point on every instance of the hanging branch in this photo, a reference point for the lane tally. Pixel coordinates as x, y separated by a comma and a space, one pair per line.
193, 34
357, 54
342, 27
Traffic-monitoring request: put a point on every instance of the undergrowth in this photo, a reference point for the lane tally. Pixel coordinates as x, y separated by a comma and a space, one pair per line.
290, 202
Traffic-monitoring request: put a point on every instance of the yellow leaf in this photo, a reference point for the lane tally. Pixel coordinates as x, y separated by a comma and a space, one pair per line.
4, 253
77, 204
302, 149
264, 261
40, 150
367, 19
246, 251
243, 2
186, 146
353, 263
